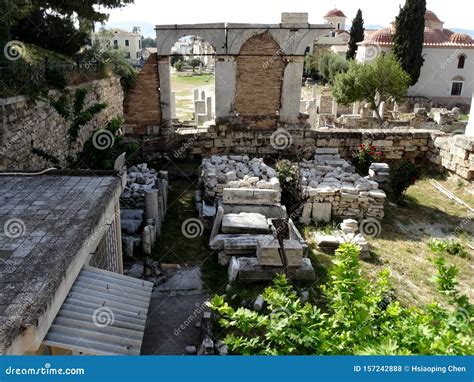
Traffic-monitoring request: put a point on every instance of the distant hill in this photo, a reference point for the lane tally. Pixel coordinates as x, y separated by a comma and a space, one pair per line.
373, 26
468, 31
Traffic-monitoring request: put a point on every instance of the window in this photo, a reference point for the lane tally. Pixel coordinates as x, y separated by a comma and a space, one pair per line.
461, 61
127, 54
139, 44
115, 44
139, 55
338, 25
456, 88
127, 43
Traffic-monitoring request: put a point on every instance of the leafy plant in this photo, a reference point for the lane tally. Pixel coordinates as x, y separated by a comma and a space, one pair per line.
73, 111
330, 64
450, 247
289, 177
402, 175
178, 65
365, 155
381, 80
359, 317
100, 157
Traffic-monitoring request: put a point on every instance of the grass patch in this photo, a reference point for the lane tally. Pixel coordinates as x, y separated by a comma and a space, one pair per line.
173, 246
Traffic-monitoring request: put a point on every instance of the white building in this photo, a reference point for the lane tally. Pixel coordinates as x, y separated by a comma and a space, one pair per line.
338, 39
129, 43
195, 47
447, 72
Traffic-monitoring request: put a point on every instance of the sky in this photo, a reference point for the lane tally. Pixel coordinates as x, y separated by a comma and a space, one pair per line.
147, 13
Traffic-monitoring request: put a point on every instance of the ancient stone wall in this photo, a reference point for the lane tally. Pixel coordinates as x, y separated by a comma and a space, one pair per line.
26, 124
456, 154
142, 105
407, 144
259, 80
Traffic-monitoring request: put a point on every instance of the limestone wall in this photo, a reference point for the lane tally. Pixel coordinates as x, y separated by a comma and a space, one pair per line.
456, 154
407, 144
25, 123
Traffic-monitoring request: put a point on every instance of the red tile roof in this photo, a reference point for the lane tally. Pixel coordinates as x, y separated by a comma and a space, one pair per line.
335, 13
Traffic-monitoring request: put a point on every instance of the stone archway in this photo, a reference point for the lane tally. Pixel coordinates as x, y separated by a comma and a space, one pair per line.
259, 78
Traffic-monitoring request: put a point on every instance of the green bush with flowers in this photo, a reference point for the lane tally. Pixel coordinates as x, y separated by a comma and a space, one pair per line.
365, 155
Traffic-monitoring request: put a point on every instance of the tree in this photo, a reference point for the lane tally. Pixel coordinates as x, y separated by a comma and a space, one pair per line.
175, 58
357, 35
374, 82
148, 42
178, 65
409, 36
330, 64
51, 23
311, 63
195, 62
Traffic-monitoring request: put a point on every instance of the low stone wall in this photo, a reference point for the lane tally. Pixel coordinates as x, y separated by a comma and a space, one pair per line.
456, 154
398, 143
25, 123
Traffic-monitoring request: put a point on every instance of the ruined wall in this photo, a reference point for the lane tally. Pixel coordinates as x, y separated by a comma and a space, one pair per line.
259, 81
142, 105
25, 123
456, 154
399, 144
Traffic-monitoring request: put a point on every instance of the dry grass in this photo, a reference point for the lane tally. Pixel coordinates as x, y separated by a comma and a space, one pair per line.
403, 245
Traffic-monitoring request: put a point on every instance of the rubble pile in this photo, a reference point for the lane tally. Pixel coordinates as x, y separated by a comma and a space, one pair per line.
334, 188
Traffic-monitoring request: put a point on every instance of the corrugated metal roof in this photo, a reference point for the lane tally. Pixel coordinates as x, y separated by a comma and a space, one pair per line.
104, 313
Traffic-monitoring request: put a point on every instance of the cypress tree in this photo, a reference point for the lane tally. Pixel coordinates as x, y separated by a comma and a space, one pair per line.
357, 35
408, 37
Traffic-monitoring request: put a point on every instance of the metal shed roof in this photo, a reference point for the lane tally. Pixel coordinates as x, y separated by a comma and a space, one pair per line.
104, 313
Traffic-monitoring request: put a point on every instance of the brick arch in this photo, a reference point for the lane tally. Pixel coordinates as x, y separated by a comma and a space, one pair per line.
259, 78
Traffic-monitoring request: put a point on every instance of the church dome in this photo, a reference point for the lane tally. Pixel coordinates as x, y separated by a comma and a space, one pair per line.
382, 36
335, 13
431, 16
461, 38
432, 37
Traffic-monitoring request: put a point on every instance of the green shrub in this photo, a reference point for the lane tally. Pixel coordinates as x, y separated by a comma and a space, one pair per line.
178, 65
97, 156
402, 176
450, 247
289, 177
360, 317
365, 155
